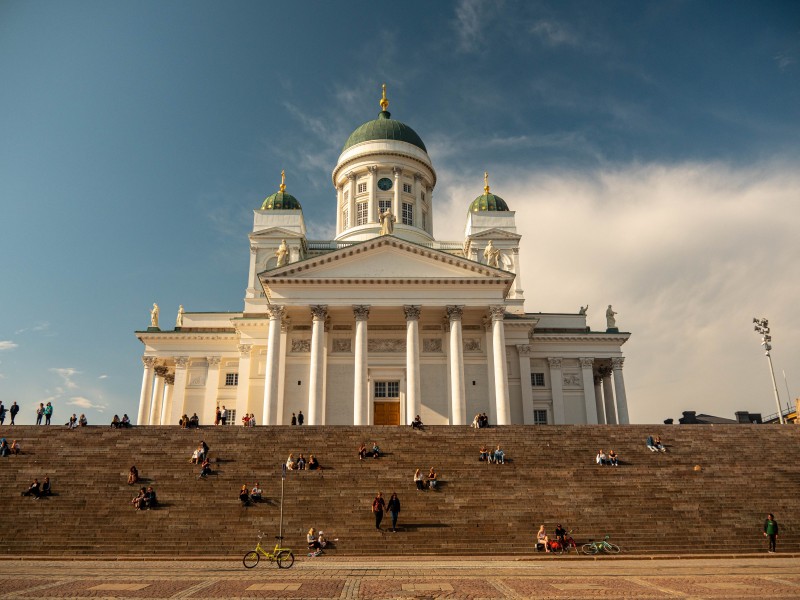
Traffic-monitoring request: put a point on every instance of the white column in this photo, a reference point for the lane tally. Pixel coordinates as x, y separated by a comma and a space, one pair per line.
518, 272
339, 207
588, 390
608, 398
286, 326
251, 277
372, 206
598, 400
396, 200
500, 367
490, 387
413, 388
147, 390
524, 352
619, 388
557, 386
212, 389
429, 196
457, 398
273, 362
360, 383
169, 387
179, 389
158, 396
417, 199
243, 389
351, 201
316, 375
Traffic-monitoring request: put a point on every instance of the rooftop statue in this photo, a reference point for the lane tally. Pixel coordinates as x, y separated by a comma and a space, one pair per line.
281, 253
154, 316
611, 322
179, 320
387, 222
491, 255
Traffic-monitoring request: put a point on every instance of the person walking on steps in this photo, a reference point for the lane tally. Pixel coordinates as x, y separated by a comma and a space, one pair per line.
300, 417
394, 509
13, 411
771, 531
378, 506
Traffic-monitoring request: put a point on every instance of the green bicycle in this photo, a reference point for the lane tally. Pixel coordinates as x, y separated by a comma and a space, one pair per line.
602, 546
283, 556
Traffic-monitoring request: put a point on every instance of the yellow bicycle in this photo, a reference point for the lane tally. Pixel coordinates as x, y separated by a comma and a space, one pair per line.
283, 556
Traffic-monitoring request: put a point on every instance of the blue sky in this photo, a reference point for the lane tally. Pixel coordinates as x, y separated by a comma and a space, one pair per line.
650, 149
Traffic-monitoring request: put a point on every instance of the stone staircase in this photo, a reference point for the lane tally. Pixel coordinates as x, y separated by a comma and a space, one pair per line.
651, 503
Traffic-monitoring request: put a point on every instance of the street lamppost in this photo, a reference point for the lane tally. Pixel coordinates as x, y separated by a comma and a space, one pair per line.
762, 327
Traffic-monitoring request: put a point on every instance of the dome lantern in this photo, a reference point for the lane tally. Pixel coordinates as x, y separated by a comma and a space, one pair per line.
488, 201
280, 200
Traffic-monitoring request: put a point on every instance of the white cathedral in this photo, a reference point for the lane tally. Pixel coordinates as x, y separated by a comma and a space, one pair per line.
383, 322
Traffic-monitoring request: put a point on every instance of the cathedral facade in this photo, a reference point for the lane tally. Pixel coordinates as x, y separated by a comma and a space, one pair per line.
384, 322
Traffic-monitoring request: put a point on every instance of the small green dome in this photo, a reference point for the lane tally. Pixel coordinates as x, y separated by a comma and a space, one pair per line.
281, 201
488, 202
384, 128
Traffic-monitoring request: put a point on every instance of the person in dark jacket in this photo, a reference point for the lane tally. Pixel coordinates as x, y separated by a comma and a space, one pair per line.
13, 411
394, 509
378, 506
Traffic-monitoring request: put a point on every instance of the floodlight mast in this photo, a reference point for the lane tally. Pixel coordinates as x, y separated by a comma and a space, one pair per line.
762, 327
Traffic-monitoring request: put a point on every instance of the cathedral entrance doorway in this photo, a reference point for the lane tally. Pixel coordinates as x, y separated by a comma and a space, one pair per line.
386, 403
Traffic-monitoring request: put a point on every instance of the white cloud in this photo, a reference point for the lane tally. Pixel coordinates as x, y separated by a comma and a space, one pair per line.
554, 34
103, 376
7, 345
687, 254
66, 375
470, 20
83, 402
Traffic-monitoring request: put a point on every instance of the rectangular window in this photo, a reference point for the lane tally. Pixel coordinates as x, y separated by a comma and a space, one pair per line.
345, 218
362, 187
231, 379
408, 213
537, 379
387, 389
361, 214
384, 205
540, 417
407, 188
424, 220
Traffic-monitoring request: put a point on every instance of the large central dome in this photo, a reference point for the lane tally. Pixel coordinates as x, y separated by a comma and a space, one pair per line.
384, 128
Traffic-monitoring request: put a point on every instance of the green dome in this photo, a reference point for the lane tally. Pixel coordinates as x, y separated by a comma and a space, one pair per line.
488, 202
281, 201
384, 128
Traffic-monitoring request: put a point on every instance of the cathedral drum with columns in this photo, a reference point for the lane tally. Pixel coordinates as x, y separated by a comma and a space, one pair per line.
383, 322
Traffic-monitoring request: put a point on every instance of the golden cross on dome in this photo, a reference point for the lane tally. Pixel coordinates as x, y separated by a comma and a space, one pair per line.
384, 101
486, 182
283, 181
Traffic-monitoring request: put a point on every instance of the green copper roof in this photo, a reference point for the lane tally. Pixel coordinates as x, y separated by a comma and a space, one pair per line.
488, 202
281, 201
384, 128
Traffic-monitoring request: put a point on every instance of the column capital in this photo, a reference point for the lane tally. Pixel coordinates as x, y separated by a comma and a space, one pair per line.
604, 372
161, 371
361, 312
417, 177
253, 249
275, 311
181, 362
515, 251
524, 349
319, 312
616, 362
498, 312
244, 350
213, 361
454, 312
351, 176
372, 169
397, 171
412, 312
169, 378
149, 361
555, 362
586, 363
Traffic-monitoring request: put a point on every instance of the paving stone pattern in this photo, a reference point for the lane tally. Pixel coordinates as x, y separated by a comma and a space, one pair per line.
652, 503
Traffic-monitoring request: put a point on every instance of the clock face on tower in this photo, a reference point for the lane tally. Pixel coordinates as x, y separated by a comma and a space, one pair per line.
385, 184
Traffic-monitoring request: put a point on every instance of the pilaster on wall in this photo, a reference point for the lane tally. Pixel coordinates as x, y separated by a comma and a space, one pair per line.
524, 352
557, 386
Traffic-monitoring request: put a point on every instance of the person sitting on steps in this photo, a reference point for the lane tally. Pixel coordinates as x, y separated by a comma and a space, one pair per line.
244, 496
659, 446
613, 459
291, 463
483, 453
115, 422
301, 463
376, 451
126, 421
46, 489
138, 500
15, 449
33, 490
362, 451
433, 481
601, 458
498, 456
542, 539
256, 493
82, 420
416, 423
133, 475
651, 445
419, 481
313, 463
194, 422
150, 500
205, 469
314, 546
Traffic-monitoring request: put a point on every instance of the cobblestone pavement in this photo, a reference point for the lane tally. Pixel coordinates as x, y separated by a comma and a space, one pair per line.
384, 578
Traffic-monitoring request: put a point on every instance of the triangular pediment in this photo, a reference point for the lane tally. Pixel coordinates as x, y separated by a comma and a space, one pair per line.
495, 234
386, 258
273, 233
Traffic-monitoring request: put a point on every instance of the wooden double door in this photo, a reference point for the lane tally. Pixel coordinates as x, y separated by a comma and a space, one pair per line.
386, 413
